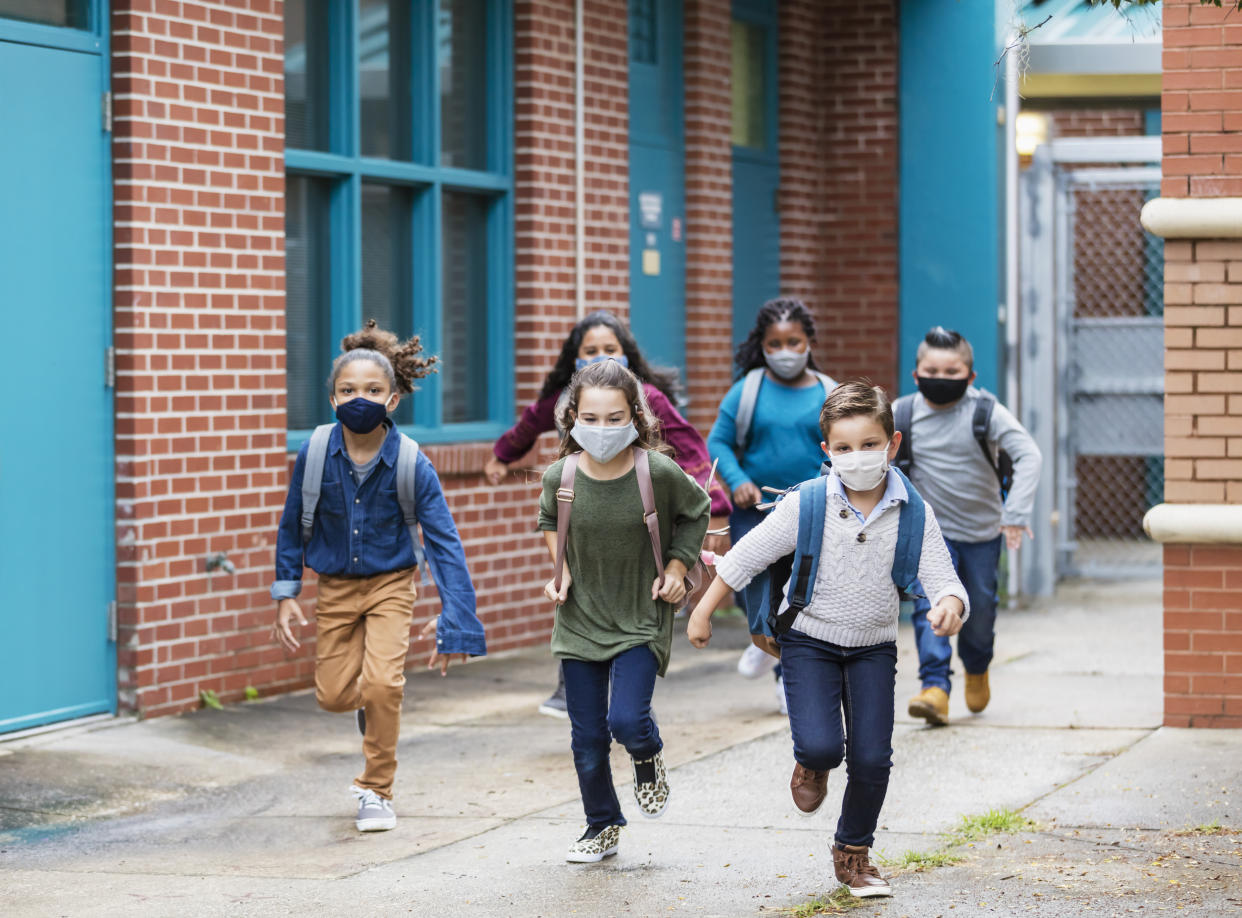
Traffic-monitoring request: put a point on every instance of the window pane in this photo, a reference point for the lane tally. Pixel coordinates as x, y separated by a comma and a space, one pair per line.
463, 83
72, 13
750, 91
386, 286
308, 329
384, 78
306, 75
463, 346
643, 32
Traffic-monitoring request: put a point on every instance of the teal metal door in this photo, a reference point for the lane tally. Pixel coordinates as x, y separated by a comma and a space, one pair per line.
657, 182
756, 162
57, 656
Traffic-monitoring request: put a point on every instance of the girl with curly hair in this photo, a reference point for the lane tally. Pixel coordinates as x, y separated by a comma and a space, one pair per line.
602, 336
614, 598
355, 531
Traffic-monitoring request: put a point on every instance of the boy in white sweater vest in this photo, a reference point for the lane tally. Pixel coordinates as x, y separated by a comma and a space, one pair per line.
840, 655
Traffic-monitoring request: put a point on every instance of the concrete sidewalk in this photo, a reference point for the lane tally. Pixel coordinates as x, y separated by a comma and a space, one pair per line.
246, 811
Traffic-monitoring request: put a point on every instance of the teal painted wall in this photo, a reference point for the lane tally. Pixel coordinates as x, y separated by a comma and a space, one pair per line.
952, 147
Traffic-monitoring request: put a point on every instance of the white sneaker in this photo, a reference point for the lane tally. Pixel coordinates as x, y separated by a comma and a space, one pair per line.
374, 812
780, 697
754, 662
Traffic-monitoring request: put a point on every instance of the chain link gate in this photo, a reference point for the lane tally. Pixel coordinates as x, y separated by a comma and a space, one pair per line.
1093, 351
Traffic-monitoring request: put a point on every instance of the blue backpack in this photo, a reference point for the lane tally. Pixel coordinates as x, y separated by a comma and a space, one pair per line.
798, 570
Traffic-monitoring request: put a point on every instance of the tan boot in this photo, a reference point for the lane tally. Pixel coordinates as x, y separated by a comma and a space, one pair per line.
931, 704
977, 692
854, 869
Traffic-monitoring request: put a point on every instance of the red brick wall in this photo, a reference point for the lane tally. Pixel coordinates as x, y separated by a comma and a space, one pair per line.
1202, 123
1202, 100
839, 177
199, 277
709, 207
1099, 122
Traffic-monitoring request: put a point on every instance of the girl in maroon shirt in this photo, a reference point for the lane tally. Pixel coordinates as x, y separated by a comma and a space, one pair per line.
602, 336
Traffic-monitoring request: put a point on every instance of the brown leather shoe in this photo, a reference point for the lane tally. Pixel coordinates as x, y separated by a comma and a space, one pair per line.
855, 870
809, 788
977, 692
931, 704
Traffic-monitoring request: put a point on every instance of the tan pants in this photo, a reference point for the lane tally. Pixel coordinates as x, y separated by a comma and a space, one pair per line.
363, 629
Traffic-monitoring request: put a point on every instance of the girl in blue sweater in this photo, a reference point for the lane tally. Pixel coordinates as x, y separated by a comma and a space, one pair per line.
779, 445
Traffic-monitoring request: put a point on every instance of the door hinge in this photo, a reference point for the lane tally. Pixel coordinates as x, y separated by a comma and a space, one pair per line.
112, 621
107, 111
110, 367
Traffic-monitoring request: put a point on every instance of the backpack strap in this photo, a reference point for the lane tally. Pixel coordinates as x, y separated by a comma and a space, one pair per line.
746, 406
642, 468
909, 549
312, 477
826, 381
979, 423
903, 412
812, 506
564, 504
407, 468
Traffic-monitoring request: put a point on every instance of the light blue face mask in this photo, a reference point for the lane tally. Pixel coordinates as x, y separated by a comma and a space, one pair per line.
787, 364
584, 362
603, 444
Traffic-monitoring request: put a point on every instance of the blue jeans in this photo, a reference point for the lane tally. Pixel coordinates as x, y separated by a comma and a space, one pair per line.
754, 596
976, 565
595, 720
821, 681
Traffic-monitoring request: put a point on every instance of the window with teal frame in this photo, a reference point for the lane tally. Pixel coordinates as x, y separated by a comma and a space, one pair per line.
399, 201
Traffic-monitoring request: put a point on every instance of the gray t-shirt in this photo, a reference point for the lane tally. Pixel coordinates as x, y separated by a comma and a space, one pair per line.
362, 471
953, 475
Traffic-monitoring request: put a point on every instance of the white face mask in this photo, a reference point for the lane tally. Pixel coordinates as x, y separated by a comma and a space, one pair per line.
787, 364
603, 443
861, 470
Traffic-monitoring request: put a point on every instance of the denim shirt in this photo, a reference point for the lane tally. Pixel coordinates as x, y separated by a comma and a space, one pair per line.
359, 531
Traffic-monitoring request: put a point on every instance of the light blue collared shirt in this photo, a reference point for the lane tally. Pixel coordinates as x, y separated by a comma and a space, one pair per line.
894, 493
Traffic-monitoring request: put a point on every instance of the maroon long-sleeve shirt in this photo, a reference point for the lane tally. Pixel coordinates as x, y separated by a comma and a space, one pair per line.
689, 450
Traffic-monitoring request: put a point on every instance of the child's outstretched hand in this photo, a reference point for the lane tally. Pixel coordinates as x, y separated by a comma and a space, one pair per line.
286, 611
699, 627
1013, 536
946, 617
444, 659
550, 591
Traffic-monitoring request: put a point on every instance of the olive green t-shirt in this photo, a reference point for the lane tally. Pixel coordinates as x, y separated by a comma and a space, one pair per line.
609, 608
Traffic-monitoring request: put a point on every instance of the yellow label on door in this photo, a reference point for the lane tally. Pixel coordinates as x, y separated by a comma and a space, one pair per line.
651, 261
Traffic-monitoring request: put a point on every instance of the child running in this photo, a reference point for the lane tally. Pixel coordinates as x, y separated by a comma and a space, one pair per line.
767, 435
615, 603
840, 654
602, 336
350, 517
954, 438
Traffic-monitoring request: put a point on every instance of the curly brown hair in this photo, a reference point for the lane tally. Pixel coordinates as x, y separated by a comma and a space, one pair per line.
402, 361
608, 374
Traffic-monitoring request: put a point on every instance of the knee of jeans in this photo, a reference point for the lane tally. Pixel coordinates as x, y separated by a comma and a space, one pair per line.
628, 729
869, 766
590, 752
823, 755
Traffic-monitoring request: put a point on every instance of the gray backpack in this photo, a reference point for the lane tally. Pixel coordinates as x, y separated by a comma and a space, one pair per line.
312, 482
750, 395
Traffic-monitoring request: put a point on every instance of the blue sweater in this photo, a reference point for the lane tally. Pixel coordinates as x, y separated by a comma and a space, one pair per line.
359, 531
784, 436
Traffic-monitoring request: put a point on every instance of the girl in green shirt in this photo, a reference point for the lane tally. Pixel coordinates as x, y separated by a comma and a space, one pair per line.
614, 613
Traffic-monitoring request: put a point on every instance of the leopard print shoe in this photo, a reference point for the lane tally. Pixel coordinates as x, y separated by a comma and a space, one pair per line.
651, 785
594, 845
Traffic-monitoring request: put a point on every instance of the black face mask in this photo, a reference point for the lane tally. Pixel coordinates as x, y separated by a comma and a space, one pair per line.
941, 391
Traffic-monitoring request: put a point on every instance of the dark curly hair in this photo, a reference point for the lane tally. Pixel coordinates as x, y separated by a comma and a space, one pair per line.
749, 353
402, 361
608, 374
558, 378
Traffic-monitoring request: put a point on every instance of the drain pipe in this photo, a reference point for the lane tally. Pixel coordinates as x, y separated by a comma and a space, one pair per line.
1013, 349
579, 166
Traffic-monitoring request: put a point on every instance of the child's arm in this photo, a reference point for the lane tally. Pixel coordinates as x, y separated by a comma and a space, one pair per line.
950, 604
457, 629
1009, 434
289, 559
547, 523
538, 417
774, 538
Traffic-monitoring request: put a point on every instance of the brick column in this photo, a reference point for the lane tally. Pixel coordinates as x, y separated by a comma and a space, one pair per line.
198, 143
709, 207
1201, 524
839, 176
